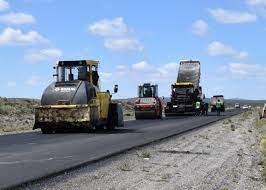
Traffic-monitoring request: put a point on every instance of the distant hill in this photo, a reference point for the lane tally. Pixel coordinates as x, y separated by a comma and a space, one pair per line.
228, 102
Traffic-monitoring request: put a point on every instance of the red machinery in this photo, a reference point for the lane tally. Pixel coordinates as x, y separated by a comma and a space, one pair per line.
148, 104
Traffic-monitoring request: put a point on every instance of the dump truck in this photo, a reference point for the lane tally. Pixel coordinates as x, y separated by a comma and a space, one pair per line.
148, 104
75, 101
186, 90
214, 100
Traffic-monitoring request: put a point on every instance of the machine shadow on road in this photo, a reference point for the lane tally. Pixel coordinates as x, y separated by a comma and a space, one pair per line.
115, 131
96, 131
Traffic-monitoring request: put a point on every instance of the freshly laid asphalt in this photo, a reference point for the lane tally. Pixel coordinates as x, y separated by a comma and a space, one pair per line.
27, 157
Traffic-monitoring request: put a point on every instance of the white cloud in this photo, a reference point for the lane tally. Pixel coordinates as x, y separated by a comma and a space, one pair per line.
244, 70
117, 36
141, 72
232, 17
171, 66
168, 69
11, 84
105, 76
10, 36
142, 66
120, 67
258, 7
217, 48
256, 2
44, 54
106, 27
39, 1
123, 44
148, 72
163, 70
241, 55
33, 80
4, 5
17, 18
162, 74
199, 27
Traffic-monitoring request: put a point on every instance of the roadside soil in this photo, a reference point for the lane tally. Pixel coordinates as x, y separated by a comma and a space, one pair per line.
17, 114
224, 155
16, 123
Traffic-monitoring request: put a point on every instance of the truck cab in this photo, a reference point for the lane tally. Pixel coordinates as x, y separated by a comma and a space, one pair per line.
186, 90
183, 98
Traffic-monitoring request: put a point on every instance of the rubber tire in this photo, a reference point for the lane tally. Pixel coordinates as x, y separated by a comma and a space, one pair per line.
160, 116
136, 117
46, 131
112, 118
111, 124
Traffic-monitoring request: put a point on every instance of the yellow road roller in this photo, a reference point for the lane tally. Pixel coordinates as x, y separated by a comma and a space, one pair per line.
74, 100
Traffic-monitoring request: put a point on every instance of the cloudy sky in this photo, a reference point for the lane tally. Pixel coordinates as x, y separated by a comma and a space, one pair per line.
136, 42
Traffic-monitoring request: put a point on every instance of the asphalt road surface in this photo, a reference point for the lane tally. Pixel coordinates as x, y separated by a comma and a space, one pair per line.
29, 156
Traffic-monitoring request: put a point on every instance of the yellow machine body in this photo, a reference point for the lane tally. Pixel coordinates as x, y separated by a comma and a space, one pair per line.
64, 112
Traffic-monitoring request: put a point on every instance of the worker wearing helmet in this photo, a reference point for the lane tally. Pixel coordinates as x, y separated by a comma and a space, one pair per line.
218, 107
197, 107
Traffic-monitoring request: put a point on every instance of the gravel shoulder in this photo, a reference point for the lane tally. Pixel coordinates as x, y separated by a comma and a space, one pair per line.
224, 155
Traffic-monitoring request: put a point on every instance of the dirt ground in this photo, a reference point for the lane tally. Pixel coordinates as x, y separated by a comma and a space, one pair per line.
224, 156
17, 114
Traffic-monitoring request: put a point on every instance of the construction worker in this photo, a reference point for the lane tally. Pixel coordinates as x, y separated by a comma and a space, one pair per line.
197, 107
206, 107
202, 111
218, 107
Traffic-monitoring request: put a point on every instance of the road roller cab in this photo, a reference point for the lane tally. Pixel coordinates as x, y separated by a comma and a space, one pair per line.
148, 104
74, 100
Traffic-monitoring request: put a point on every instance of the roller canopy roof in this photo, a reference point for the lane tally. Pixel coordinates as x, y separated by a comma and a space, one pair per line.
77, 63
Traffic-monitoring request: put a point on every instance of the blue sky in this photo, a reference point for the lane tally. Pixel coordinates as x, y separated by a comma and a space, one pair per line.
136, 42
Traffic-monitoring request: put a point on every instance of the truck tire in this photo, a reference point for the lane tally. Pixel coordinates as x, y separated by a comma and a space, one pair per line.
46, 131
160, 116
112, 119
156, 115
137, 117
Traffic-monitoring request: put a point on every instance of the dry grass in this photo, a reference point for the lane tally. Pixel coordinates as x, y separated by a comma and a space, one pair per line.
165, 177
233, 127
16, 128
125, 167
224, 188
204, 137
227, 121
10, 106
260, 125
246, 115
146, 154
16, 114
